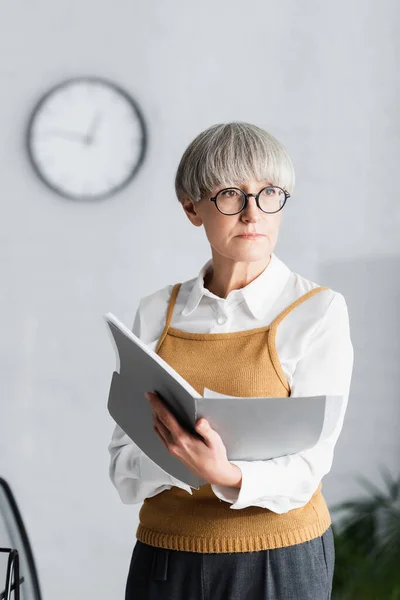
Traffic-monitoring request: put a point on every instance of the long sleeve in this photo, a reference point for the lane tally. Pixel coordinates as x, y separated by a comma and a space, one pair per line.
288, 482
132, 472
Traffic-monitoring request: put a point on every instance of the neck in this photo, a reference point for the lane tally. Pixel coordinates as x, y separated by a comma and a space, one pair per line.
226, 275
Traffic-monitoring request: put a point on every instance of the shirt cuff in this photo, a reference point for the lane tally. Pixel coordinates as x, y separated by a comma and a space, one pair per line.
244, 497
236, 496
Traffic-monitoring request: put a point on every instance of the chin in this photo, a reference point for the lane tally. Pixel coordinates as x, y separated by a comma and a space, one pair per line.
252, 256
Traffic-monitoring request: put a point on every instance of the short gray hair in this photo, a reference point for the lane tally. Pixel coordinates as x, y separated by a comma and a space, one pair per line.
228, 154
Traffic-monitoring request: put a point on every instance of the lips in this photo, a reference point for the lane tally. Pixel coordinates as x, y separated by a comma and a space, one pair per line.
254, 235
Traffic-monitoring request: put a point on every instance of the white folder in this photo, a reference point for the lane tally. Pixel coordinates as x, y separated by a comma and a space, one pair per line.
251, 428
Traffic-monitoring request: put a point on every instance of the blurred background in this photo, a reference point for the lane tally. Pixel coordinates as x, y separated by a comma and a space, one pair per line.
78, 242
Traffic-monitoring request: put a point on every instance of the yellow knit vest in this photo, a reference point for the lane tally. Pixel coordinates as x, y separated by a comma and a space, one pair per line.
243, 363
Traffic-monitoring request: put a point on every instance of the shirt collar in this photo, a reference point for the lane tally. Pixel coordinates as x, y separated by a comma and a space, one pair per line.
259, 295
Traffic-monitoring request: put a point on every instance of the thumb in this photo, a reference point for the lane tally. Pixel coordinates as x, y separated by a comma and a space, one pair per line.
203, 426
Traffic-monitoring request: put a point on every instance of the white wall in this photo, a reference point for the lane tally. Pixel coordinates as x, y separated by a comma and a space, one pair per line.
322, 78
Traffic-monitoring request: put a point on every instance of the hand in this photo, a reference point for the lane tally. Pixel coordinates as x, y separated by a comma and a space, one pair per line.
205, 457
89, 137
68, 135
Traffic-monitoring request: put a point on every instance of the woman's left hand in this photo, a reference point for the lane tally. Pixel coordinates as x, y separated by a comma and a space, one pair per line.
208, 460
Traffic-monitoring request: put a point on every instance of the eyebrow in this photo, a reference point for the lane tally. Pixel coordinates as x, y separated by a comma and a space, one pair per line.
233, 186
265, 184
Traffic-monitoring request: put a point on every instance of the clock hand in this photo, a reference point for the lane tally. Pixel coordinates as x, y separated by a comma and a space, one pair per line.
90, 135
67, 134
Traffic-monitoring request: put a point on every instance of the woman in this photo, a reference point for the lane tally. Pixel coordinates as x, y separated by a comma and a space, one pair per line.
245, 326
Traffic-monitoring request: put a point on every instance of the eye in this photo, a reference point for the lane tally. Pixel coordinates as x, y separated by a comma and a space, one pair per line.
270, 191
230, 193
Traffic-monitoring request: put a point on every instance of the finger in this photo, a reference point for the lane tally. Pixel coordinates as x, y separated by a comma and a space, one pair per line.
164, 431
155, 401
160, 437
165, 416
204, 429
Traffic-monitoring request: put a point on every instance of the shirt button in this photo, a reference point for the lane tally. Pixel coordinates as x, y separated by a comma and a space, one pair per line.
221, 320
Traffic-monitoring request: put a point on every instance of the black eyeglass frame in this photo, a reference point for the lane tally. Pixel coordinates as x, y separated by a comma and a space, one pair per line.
246, 199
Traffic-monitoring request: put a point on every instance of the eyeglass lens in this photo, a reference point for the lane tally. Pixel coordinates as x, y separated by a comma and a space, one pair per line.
231, 200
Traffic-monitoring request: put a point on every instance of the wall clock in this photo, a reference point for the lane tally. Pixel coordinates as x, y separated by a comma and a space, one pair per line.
86, 138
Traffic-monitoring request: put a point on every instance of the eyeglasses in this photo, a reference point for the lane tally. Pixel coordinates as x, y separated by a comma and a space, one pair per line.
231, 201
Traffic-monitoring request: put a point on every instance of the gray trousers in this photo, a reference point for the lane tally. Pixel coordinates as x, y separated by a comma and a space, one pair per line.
300, 572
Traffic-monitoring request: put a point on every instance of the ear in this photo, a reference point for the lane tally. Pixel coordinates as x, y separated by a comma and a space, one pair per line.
192, 212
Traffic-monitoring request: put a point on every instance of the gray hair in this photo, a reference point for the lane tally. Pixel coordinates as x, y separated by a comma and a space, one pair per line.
228, 154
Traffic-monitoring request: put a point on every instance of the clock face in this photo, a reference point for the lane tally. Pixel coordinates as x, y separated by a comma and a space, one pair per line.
86, 138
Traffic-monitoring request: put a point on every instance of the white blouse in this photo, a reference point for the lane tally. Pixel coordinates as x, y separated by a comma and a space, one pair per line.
316, 353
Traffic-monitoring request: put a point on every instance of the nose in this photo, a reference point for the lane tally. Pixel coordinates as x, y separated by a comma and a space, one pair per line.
251, 212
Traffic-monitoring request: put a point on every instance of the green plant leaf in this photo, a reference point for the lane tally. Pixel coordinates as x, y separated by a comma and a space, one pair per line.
393, 485
367, 544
